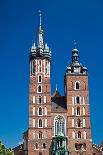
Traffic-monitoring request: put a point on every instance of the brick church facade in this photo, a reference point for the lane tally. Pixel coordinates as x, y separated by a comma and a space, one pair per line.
58, 125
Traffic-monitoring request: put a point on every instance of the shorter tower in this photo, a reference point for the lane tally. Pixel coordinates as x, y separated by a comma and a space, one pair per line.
78, 112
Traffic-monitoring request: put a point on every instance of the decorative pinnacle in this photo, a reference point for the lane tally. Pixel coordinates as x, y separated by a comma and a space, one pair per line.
40, 17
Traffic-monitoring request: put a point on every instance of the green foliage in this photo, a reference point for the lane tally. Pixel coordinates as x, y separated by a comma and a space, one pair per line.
4, 150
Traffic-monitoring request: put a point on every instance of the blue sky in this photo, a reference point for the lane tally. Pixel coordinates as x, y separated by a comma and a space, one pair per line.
63, 21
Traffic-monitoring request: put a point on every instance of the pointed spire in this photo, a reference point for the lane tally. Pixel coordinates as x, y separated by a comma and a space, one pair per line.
40, 18
40, 32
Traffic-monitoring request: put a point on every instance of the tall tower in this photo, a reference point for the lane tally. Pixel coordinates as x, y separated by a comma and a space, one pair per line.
78, 113
39, 132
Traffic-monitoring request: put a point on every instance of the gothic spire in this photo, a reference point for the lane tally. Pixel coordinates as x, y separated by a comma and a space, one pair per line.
40, 32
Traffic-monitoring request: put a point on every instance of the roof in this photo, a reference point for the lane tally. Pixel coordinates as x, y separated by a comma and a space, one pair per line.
58, 102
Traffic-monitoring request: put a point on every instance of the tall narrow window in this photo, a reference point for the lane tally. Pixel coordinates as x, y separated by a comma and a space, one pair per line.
77, 85
39, 66
40, 111
36, 146
44, 146
78, 123
39, 78
39, 89
46, 67
39, 99
40, 123
78, 100
78, 111
59, 125
79, 135
40, 135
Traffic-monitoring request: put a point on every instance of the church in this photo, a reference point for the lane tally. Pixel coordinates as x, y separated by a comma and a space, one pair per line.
58, 125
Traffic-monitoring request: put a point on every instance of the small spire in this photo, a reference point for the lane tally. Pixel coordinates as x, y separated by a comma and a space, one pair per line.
40, 18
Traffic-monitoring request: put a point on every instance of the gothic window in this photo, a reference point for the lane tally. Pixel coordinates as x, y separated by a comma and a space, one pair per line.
77, 85
40, 123
40, 135
59, 125
39, 79
79, 135
78, 100
46, 67
40, 111
78, 123
33, 66
78, 111
39, 89
44, 146
36, 146
39, 99
39, 66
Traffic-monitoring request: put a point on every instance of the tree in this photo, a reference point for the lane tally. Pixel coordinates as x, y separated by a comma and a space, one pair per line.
4, 150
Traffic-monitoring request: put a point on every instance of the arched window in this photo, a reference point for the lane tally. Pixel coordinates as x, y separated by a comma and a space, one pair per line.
40, 135
40, 123
78, 111
39, 66
36, 146
44, 146
77, 85
79, 135
39, 89
78, 100
40, 111
78, 123
59, 125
